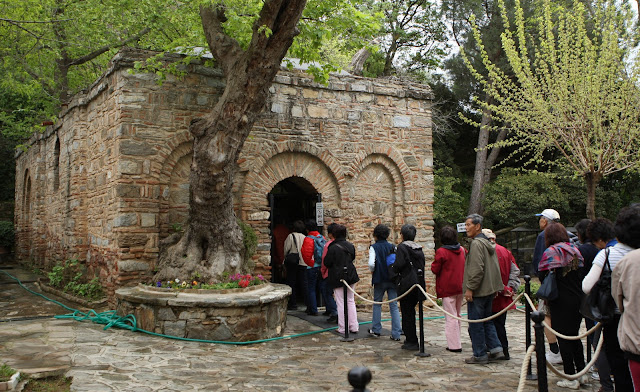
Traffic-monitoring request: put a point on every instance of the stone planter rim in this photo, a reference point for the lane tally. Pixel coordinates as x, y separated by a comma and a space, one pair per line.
204, 291
11, 384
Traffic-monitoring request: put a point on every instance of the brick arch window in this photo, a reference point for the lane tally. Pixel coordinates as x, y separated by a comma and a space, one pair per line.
56, 165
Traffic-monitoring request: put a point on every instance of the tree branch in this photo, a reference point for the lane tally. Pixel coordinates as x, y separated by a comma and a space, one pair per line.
223, 48
105, 48
13, 21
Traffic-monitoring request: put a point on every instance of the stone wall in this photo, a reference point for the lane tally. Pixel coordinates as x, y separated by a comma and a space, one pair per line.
110, 179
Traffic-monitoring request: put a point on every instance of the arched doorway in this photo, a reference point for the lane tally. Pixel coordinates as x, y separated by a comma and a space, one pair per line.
291, 199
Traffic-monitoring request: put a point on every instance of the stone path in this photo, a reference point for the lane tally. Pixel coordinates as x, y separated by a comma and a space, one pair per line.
118, 360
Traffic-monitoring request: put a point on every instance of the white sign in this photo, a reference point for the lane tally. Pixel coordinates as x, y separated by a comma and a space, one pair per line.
461, 228
319, 214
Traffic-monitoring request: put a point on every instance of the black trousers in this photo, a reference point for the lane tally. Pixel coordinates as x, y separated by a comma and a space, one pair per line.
619, 365
296, 279
499, 323
566, 319
408, 310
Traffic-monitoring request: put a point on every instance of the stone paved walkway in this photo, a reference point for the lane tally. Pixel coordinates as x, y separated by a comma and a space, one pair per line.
118, 360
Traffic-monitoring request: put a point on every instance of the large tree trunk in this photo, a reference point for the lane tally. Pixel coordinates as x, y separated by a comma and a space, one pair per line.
480, 175
212, 242
592, 180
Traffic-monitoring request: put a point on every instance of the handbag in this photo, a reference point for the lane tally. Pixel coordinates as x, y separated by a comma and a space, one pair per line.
549, 288
292, 259
406, 278
599, 305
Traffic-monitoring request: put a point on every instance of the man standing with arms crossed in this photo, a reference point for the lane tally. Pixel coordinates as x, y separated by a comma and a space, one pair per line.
481, 282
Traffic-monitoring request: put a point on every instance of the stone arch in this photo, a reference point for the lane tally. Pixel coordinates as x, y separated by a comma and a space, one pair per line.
266, 174
377, 193
261, 154
173, 150
173, 204
394, 161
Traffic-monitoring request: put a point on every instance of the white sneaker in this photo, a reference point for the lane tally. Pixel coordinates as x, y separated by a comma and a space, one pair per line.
552, 358
572, 384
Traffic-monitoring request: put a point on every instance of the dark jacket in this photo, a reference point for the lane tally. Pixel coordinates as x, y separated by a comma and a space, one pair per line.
408, 253
341, 253
449, 270
381, 273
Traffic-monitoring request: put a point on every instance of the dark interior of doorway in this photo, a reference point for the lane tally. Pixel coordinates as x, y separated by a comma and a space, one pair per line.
291, 199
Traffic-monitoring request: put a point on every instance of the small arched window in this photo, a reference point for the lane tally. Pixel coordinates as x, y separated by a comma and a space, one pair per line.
26, 202
56, 165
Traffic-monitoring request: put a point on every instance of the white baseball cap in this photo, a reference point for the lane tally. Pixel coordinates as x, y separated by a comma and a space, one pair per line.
550, 214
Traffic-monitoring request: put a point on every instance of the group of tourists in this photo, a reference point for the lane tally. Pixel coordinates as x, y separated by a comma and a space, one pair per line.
578, 265
486, 277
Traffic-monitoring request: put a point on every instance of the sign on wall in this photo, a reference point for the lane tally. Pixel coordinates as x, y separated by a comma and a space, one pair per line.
319, 214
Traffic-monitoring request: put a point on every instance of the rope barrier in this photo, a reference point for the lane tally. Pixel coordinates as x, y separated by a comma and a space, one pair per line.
558, 334
129, 322
523, 369
586, 367
435, 303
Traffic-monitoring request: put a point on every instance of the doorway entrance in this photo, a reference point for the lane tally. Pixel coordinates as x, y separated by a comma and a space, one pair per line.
291, 199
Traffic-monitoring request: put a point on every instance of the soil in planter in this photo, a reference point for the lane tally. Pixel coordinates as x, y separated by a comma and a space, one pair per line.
49, 384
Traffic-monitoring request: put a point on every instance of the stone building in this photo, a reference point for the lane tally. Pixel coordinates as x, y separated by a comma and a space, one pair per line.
109, 180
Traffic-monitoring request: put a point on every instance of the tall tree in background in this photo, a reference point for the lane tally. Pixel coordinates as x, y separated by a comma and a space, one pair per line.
412, 36
486, 15
573, 91
64, 45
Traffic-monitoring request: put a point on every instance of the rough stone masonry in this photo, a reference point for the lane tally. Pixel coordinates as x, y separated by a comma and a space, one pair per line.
109, 180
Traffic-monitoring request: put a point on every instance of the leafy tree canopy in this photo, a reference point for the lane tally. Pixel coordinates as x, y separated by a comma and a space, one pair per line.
572, 90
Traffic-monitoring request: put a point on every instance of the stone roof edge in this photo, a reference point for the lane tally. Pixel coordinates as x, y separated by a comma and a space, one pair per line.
126, 58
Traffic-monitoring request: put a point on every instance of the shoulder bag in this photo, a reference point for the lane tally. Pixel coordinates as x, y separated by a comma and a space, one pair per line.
549, 288
292, 259
599, 305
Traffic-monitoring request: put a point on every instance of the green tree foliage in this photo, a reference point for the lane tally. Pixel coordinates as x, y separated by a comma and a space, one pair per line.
450, 197
572, 91
515, 197
412, 37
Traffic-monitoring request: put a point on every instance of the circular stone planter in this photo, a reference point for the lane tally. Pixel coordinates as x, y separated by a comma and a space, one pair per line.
253, 313
11, 384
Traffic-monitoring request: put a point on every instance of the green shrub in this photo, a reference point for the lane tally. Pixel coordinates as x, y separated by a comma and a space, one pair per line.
71, 277
249, 240
6, 372
7, 234
534, 289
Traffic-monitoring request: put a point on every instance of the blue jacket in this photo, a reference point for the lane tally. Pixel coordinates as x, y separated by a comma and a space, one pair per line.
381, 273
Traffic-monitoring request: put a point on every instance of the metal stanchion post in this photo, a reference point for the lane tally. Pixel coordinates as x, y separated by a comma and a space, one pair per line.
527, 290
541, 360
346, 337
359, 377
421, 353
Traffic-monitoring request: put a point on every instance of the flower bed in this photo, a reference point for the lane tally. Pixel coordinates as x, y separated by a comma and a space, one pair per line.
234, 281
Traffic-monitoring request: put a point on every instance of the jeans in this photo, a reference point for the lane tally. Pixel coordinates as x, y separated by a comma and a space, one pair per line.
327, 296
378, 294
499, 322
312, 280
483, 335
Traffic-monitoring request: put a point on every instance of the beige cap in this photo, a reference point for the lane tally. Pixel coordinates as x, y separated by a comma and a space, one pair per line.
489, 233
